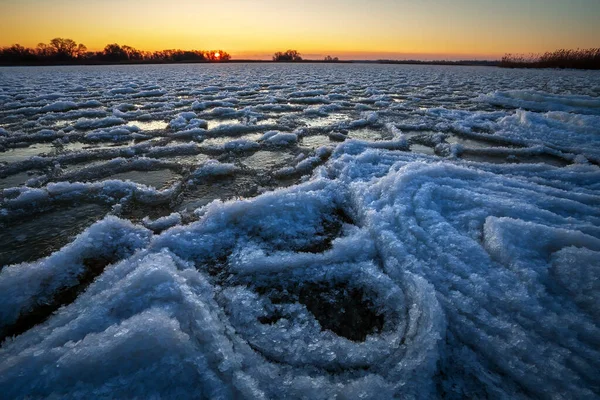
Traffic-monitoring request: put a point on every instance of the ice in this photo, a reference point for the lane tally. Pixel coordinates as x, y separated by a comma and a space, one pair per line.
115, 166
98, 123
196, 105
175, 149
187, 121
148, 125
59, 106
89, 103
318, 231
237, 129
240, 145
549, 128
23, 200
214, 168
26, 285
308, 93
309, 100
279, 138
559, 131
149, 93
115, 134
267, 159
163, 223
543, 101
124, 90
25, 153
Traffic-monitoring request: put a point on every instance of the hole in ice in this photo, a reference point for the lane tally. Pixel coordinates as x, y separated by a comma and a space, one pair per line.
218, 187
346, 311
365, 134
476, 144
18, 179
77, 167
314, 142
93, 267
78, 146
189, 160
31, 239
24, 153
419, 148
323, 121
323, 234
158, 179
515, 159
267, 159
136, 211
332, 225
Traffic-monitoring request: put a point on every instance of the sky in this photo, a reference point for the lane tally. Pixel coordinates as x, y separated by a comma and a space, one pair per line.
348, 29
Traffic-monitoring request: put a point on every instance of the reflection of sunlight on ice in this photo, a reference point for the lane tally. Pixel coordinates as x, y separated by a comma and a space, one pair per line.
158, 179
267, 121
419, 148
315, 141
16, 179
324, 121
150, 125
214, 123
75, 146
213, 141
24, 153
267, 159
365, 134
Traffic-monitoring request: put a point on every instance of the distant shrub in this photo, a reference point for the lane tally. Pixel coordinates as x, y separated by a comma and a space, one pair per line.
331, 59
577, 59
290, 55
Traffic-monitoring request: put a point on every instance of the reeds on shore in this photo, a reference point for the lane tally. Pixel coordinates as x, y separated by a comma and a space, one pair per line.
576, 59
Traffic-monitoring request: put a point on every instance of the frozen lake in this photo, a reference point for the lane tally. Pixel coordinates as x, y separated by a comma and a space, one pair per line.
299, 230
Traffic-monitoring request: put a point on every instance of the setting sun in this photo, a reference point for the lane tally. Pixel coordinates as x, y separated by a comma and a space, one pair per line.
217, 55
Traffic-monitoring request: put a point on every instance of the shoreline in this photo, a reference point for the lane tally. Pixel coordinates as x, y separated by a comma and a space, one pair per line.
243, 61
461, 63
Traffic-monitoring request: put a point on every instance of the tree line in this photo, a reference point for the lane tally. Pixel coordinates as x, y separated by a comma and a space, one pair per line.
577, 59
67, 51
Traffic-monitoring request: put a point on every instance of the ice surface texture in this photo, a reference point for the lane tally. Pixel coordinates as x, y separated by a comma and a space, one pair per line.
382, 274
467, 280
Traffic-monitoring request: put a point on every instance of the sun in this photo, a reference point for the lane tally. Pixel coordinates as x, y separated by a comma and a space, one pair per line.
217, 55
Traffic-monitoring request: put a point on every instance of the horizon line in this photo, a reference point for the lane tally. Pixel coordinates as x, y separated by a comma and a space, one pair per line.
352, 55
319, 55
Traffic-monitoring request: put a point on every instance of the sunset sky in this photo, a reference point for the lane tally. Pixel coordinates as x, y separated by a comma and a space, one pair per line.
349, 29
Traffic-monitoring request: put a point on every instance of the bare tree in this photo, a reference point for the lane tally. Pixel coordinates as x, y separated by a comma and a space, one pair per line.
81, 50
289, 55
64, 48
114, 52
132, 53
43, 50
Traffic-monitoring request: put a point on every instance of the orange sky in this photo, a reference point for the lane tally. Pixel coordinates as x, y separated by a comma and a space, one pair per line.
349, 29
